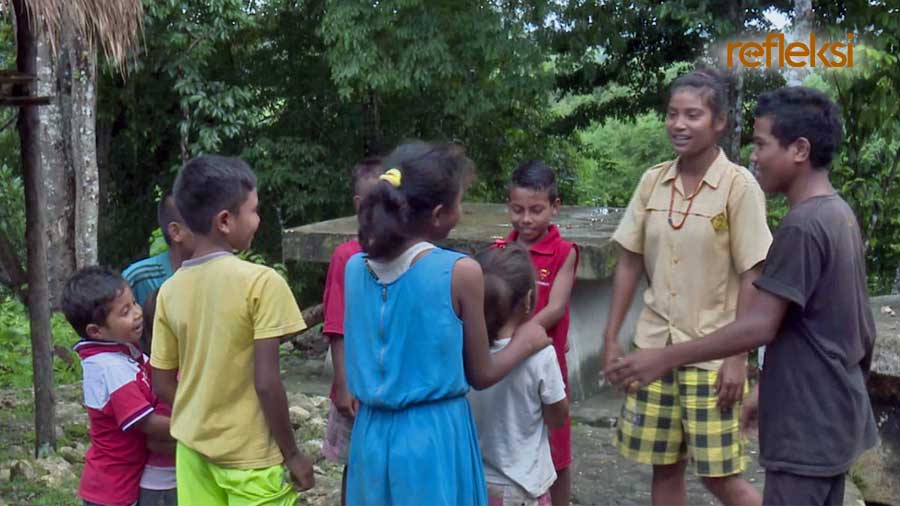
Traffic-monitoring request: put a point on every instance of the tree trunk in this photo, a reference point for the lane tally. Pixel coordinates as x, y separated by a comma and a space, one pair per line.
58, 176
84, 152
736, 116
730, 141
69, 155
803, 25
35, 237
373, 141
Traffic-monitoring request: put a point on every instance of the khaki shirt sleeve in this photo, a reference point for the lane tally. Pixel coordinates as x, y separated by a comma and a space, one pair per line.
630, 232
275, 312
749, 231
164, 347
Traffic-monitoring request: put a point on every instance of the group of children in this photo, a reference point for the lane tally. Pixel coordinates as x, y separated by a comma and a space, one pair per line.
450, 382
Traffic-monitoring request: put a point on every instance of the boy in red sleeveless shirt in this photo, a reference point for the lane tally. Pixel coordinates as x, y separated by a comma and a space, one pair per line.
343, 406
533, 202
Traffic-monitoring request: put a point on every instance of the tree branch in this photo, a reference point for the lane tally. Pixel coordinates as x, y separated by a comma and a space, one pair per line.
9, 123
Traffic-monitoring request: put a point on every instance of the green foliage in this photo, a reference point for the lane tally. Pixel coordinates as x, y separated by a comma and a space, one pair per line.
304, 89
158, 244
617, 152
12, 212
15, 347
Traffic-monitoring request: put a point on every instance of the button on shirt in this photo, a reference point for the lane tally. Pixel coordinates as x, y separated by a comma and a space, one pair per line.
694, 272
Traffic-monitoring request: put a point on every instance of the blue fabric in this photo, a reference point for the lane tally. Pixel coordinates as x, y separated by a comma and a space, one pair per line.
414, 439
147, 275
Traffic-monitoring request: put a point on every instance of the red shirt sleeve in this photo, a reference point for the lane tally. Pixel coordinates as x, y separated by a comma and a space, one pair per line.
129, 404
333, 299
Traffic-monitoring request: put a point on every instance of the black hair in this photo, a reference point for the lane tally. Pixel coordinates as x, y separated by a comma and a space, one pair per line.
167, 212
432, 174
149, 310
508, 276
369, 167
797, 111
87, 296
209, 184
537, 176
710, 85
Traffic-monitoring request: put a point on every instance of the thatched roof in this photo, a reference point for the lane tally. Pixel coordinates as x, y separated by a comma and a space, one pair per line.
113, 25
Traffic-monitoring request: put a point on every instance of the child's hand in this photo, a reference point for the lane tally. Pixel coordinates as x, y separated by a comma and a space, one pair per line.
639, 368
730, 381
345, 403
301, 470
612, 351
533, 336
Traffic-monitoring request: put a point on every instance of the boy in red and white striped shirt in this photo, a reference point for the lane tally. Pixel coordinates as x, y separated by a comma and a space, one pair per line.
120, 402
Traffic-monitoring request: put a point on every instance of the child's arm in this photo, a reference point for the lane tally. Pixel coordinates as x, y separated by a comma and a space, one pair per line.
156, 427
629, 269
165, 382
273, 400
555, 414
483, 368
560, 293
552, 391
344, 401
733, 373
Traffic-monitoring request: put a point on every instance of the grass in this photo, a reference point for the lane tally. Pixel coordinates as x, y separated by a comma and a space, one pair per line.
15, 347
17, 443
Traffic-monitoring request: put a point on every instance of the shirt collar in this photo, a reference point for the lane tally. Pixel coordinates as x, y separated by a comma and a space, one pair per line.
713, 174
546, 246
205, 258
86, 348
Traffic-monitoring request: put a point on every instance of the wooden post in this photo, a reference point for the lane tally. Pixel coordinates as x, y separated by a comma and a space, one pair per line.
35, 236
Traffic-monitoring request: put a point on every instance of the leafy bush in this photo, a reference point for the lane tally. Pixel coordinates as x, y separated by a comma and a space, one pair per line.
15, 347
616, 153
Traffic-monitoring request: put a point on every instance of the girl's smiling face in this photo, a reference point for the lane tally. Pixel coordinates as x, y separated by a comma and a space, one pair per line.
690, 122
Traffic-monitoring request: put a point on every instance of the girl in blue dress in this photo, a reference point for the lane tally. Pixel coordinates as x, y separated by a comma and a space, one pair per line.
415, 338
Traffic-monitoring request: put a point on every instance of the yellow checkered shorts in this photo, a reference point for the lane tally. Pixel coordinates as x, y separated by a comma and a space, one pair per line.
677, 416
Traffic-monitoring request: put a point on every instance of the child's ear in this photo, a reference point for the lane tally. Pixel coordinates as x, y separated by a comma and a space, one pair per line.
436, 214
94, 331
555, 206
720, 121
222, 221
357, 201
178, 231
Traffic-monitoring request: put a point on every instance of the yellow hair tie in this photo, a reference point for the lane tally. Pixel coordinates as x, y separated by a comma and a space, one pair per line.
393, 177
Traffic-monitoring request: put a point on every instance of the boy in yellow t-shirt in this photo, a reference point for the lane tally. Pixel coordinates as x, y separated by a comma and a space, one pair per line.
216, 336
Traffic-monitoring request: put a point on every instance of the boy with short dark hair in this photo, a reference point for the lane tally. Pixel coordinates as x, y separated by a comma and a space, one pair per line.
218, 325
147, 275
336, 445
533, 202
100, 307
811, 309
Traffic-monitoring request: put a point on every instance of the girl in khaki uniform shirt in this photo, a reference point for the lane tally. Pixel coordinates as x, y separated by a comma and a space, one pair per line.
696, 228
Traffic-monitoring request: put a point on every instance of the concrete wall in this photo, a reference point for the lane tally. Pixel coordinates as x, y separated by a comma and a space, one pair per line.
590, 306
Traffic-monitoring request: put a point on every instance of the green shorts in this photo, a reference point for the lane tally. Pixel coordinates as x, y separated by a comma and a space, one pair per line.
677, 417
202, 482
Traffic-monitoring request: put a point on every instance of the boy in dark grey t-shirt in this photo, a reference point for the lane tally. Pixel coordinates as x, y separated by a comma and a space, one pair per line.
811, 309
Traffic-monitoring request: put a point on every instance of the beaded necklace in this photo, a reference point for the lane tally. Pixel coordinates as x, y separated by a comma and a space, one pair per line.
687, 211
